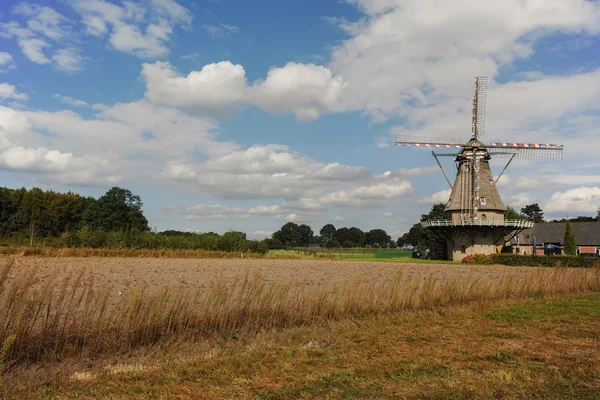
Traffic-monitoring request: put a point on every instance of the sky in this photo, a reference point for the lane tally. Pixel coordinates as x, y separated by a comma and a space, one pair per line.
237, 115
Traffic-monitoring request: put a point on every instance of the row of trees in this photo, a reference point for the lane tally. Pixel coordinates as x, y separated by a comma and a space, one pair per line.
36, 213
294, 235
114, 220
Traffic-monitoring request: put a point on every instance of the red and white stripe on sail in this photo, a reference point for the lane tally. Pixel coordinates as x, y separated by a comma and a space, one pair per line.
526, 145
438, 145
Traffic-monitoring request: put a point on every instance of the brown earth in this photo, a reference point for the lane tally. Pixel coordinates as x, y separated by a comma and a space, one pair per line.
122, 275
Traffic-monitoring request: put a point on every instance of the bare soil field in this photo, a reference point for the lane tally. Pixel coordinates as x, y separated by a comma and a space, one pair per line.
122, 275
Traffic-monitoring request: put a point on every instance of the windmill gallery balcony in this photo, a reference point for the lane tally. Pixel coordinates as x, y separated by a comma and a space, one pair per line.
519, 224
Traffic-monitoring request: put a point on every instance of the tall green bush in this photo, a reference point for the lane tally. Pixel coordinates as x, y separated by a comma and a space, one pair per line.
570, 242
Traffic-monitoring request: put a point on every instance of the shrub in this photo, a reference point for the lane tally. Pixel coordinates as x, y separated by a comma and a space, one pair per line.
478, 259
544, 261
532, 261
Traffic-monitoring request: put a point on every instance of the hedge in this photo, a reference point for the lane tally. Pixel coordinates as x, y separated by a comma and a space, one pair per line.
533, 261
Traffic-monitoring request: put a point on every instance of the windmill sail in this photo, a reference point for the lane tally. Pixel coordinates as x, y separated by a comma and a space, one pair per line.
428, 141
479, 123
526, 151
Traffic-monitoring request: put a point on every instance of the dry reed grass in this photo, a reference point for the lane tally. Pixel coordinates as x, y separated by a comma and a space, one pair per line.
55, 319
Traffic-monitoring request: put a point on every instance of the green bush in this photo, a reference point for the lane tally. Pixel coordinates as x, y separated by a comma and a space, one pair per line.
544, 261
532, 261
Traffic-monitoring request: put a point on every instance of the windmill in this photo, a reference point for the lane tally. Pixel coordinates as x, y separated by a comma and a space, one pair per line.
477, 223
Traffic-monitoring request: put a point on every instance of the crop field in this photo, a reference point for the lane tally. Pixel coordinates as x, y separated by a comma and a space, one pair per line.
350, 253
274, 328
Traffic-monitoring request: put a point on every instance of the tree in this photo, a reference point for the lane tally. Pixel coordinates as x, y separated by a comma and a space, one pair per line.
327, 233
570, 242
274, 244
419, 237
342, 235
31, 210
117, 210
292, 235
402, 241
533, 212
357, 236
378, 238
233, 241
436, 212
512, 214
305, 234
416, 235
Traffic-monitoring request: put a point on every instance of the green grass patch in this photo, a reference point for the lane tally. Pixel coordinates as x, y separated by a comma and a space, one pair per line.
340, 385
563, 309
415, 374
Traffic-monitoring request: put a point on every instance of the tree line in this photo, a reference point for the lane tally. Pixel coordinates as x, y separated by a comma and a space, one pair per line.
115, 220
293, 235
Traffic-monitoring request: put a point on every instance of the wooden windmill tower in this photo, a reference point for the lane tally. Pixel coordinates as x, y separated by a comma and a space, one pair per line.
475, 211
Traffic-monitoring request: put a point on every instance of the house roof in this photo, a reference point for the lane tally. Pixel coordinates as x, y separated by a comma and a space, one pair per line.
586, 233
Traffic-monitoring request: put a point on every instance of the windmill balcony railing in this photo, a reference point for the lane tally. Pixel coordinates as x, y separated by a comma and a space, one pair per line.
479, 222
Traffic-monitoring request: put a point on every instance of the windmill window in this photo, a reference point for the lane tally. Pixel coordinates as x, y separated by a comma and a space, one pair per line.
483, 217
482, 201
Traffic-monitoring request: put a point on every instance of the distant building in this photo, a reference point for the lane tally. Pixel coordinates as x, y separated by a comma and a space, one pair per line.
550, 238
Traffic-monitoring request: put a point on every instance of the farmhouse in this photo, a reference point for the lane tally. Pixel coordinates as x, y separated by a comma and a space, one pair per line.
549, 238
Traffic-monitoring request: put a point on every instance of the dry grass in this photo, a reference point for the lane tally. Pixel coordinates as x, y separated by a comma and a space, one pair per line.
513, 349
146, 253
57, 318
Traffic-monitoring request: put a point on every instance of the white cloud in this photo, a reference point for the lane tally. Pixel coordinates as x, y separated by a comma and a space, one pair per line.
260, 234
307, 90
583, 199
274, 171
6, 62
217, 87
367, 196
68, 59
220, 30
136, 138
49, 165
407, 54
388, 214
70, 101
506, 181
44, 20
178, 171
34, 50
8, 91
43, 24
12, 121
519, 200
139, 29
208, 211
438, 197
339, 218
265, 210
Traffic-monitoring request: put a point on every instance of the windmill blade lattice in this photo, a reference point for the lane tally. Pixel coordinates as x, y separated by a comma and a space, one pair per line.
526, 151
428, 141
480, 99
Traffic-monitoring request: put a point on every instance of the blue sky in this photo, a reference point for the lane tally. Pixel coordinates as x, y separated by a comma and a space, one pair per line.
245, 115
